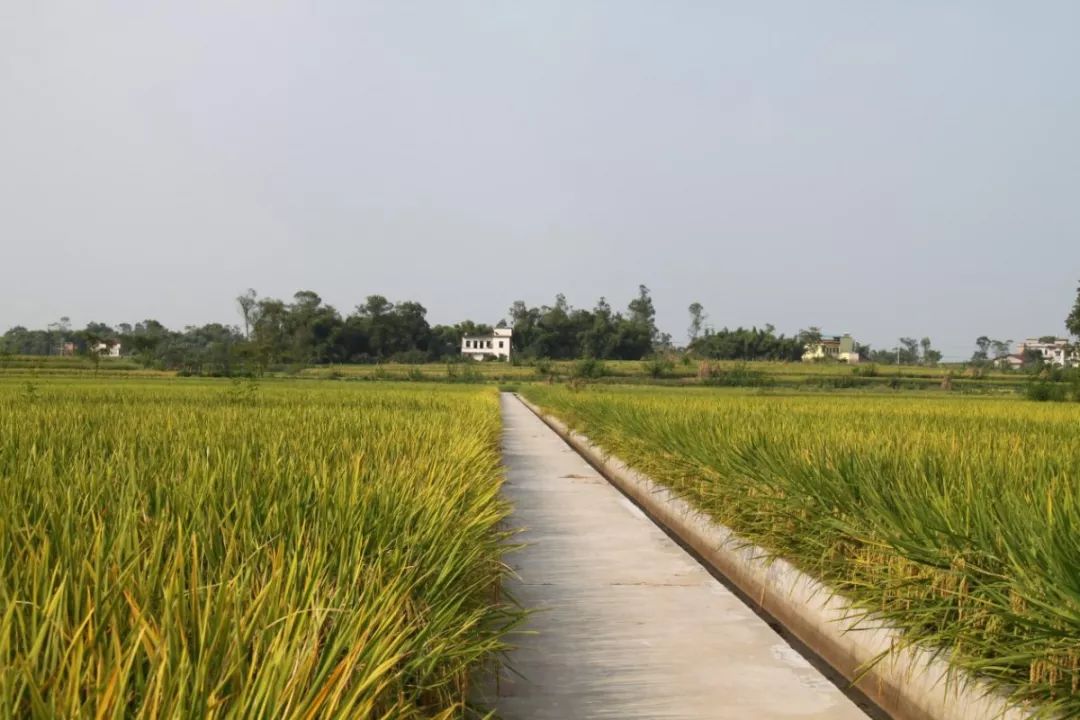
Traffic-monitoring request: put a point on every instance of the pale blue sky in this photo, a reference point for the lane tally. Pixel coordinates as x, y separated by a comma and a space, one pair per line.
904, 168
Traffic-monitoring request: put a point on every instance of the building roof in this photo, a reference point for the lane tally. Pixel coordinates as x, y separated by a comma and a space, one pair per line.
1056, 342
497, 332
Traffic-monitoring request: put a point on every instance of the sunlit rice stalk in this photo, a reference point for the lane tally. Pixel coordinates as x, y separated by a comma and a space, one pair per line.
292, 550
956, 519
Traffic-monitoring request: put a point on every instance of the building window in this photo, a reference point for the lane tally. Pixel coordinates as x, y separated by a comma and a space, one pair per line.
500, 344
468, 343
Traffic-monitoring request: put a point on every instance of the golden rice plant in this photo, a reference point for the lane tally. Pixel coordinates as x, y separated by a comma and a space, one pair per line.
958, 519
212, 549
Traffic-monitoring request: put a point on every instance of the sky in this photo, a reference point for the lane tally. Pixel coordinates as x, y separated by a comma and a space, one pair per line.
881, 168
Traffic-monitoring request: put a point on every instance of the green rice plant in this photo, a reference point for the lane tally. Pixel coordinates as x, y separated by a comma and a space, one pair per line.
957, 519
195, 548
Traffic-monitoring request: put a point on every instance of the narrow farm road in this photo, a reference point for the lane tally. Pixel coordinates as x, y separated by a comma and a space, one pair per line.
628, 625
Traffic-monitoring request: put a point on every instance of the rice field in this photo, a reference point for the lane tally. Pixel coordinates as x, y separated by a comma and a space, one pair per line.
231, 549
781, 372
678, 372
957, 519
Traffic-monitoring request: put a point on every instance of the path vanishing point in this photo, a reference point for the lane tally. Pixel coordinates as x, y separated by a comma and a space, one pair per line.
626, 623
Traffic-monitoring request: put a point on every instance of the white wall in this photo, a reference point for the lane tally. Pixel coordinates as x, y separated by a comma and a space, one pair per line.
478, 353
106, 350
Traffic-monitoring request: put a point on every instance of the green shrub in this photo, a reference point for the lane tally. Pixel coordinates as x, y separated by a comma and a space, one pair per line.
1044, 391
658, 366
589, 368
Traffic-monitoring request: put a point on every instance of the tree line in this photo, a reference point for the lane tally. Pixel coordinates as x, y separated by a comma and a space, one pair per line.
908, 351
307, 331
272, 332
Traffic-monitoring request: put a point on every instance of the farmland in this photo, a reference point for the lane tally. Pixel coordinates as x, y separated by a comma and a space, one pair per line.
685, 372
223, 548
678, 371
957, 519
334, 548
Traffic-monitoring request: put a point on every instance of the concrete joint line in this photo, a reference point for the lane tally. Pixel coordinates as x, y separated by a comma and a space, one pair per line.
907, 681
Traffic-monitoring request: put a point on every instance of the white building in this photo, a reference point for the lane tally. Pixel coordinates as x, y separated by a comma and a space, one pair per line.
496, 345
836, 347
109, 348
1054, 351
1010, 362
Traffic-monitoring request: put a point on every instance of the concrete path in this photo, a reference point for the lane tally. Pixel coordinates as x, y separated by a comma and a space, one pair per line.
628, 624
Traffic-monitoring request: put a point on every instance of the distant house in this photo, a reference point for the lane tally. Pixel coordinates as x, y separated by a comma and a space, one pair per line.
1010, 362
66, 349
479, 347
835, 347
1053, 350
108, 348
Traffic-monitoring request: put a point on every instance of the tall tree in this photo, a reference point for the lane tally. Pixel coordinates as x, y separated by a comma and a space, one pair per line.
598, 334
1073, 321
908, 353
643, 318
697, 321
376, 315
930, 356
641, 308
1001, 347
145, 341
248, 301
313, 328
58, 332
810, 337
523, 321
411, 334
270, 331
